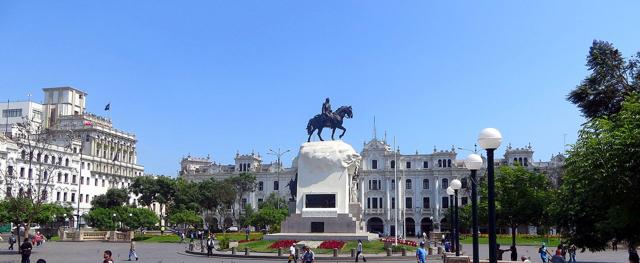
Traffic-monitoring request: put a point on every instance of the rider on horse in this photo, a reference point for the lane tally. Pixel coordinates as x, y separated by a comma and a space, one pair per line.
326, 109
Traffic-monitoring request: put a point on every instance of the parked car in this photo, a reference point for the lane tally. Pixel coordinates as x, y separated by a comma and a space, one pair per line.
233, 229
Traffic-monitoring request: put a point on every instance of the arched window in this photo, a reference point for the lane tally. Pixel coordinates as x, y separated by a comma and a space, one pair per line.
53, 159
445, 183
46, 158
526, 161
393, 184
439, 163
46, 176
39, 157
393, 164
425, 183
408, 182
66, 162
515, 160
449, 163
59, 160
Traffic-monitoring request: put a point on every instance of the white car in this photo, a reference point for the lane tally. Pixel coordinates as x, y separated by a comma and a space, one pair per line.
232, 229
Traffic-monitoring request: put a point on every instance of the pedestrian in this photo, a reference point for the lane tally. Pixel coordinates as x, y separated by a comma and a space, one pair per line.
544, 253
421, 253
292, 254
181, 237
246, 233
309, 256
614, 244
359, 251
514, 253
424, 236
209, 246
557, 258
572, 253
633, 257
107, 257
132, 251
12, 241
25, 251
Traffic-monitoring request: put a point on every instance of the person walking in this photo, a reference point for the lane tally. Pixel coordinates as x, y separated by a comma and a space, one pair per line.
107, 255
247, 231
12, 241
292, 254
421, 253
572, 253
359, 251
544, 253
132, 251
209, 246
309, 256
25, 251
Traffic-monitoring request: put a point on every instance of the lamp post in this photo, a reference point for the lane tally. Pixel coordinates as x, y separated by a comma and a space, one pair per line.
278, 154
490, 139
473, 163
114, 222
456, 185
451, 192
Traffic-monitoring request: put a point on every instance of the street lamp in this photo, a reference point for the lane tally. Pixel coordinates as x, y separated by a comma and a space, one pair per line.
451, 192
490, 139
456, 185
474, 163
114, 222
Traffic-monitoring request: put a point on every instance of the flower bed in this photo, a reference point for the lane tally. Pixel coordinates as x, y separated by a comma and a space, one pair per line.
282, 244
331, 244
400, 241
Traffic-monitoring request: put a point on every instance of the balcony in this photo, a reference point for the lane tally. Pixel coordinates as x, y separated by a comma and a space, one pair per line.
374, 211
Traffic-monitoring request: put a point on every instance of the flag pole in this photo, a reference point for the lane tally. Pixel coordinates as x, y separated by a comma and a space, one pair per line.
395, 186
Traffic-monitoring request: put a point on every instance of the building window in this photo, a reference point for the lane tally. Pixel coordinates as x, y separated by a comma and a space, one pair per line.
10, 170
64, 198
464, 200
425, 164
408, 203
59, 177
368, 203
102, 182
46, 158
10, 113
449, 163
73, 179
393, 184
243, 203
96, 181
425, 183
58, 196
374, 164
21, 172
408, 182
260, 186
66, 178
393, 203
375, 203
23, 154
260, 201
445, 183
445, 202
439, 163
80, 198
46, 176
276, 185
73, 197
86, 199
81, 180
426, 203
393, 164
408, 165
30, 173
45, 195
464, 182
526, 161
375, 184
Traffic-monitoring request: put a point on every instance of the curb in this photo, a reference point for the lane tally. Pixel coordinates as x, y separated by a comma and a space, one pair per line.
390, 258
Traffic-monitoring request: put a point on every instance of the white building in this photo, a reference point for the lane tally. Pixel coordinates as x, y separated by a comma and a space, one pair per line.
422, 180
99, 156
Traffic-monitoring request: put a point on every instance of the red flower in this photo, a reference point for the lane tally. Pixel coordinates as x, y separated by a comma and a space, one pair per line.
282, 244
331, 244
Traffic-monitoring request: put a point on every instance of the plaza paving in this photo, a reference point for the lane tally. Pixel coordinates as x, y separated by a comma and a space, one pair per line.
72, 252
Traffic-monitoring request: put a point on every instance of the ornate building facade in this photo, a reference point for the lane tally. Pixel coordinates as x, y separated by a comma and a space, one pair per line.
414, 183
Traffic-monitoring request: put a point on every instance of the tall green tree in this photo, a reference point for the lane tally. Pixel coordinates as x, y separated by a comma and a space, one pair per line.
523, 196
598, 200
611, 79
243, 184
114, 197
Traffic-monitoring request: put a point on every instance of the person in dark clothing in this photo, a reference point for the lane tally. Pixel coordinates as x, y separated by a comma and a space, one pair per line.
25, 251
12, 241
500, 251
210, 246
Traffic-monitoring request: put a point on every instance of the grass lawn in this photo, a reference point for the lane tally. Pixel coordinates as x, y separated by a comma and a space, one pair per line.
505, 240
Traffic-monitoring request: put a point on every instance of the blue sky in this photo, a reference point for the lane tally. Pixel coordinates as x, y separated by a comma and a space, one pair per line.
216, 77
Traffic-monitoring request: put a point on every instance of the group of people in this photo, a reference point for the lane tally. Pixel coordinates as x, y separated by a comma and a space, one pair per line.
561, 254
307, 255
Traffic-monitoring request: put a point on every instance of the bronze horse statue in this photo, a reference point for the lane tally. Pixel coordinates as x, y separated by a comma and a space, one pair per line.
334, 121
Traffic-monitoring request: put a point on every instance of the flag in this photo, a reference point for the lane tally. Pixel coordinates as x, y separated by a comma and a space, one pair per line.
108, 106
88, 123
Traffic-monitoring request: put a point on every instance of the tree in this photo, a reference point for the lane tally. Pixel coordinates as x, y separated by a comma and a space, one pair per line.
598, 200
523, 196
271, 213
160, 189
611, 79
243, 183
126, 217
216, 196
186, 217
114, 197
185, 197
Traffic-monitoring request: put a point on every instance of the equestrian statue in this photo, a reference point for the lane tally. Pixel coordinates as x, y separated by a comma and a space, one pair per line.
329, 119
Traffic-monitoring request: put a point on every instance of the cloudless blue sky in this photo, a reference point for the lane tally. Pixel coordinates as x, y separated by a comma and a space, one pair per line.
214, 77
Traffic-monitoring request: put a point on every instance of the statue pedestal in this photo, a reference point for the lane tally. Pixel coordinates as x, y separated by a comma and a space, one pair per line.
323, 210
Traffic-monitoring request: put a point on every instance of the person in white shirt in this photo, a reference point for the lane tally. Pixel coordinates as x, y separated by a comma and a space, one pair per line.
292, 253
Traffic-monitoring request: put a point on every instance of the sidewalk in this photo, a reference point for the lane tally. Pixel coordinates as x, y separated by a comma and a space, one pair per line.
241, 254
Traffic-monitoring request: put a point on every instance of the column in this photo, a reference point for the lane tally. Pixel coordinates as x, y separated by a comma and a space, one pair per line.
388, 180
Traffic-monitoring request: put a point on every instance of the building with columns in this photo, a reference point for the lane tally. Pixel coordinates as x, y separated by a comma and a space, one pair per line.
388, 179
99, 156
